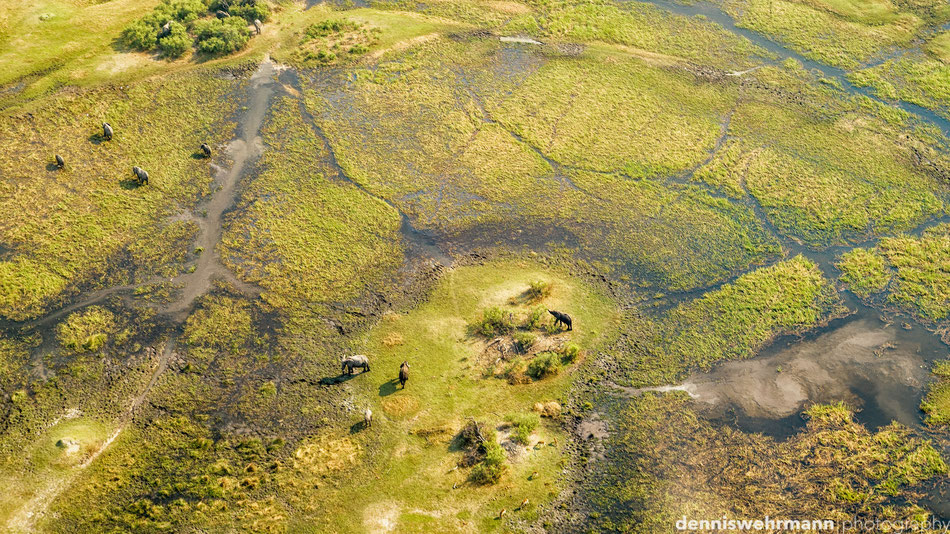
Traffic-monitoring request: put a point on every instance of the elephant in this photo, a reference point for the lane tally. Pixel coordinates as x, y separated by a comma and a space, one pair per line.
206, 149
258, 26
403, 374
107, 131
166, 29
60, 162
141, 175
221, 14
353, 362
367, 418
561, 318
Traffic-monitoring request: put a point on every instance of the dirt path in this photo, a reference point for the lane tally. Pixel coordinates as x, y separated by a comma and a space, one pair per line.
243, 151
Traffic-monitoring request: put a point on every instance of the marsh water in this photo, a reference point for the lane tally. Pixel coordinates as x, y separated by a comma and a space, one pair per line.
715, 14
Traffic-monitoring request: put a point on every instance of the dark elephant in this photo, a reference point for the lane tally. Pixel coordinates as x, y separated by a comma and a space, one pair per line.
206, 149
166, 30
60, 162
403, 374
562, 318
221, 14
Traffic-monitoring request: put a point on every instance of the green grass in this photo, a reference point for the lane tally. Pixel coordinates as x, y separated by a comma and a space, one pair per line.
446, 386
662, 453
937, 402
87, 218
644, 27
939, 46
864, 271
922, 281
918, 265
482, 172
851, 181
732, 322
88, 330
177, 472
42, 462
922, 79
301, 233
842, 33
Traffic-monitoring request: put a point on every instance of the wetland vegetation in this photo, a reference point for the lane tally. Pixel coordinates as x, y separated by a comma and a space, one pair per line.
739, 204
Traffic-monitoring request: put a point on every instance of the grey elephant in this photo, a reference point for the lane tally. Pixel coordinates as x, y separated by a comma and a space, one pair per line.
353, 362
107, 131
141, 175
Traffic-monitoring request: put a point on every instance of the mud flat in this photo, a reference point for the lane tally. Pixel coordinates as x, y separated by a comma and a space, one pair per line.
878, 367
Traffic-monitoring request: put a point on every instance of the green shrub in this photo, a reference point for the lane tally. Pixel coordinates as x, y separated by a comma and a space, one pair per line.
523, 424
221, 36
524, 340
249, 12
535, 318
140, 35
328, 27
88, 330
184, 11
538, 290
176, 42
544, 365
515, 372
492, 467
495, 321
569, 353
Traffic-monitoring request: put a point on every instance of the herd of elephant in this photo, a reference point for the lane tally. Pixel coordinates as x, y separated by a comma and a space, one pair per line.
141, 176
361, 361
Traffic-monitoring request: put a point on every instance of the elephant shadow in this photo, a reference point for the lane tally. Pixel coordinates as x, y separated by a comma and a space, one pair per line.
388, 388
129, 184
199, 155
97, 138
356, 428
337, 379
52, 167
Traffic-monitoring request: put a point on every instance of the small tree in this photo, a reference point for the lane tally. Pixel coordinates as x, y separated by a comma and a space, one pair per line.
544, 365
492, 467
221, 36
140, 35
177, 42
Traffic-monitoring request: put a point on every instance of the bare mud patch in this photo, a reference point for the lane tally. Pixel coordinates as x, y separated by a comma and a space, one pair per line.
877, 367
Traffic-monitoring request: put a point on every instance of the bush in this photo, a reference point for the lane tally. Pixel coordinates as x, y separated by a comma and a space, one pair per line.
495, 321
184, 11
524, 341
249, 12
535, 318
140, 35
538, 290
544, 365
515, 372
176, 42
569, 353
88, 330
492, 467
221, 36
523, 424
328, 27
